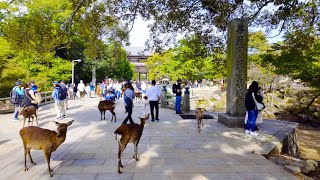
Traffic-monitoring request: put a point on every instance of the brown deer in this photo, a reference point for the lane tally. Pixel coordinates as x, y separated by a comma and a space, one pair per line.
107, 105
28, 112
138, 97
43, 139
199, 116
129, 133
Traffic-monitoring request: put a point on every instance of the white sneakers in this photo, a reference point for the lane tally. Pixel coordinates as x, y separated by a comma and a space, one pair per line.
252, 133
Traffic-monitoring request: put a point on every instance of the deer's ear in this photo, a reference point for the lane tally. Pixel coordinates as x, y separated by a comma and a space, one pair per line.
56, 123
70, 122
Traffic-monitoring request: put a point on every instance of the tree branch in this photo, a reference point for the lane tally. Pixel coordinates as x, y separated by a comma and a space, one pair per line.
312, 100
134, 16
282, 28
73, 13
260, 8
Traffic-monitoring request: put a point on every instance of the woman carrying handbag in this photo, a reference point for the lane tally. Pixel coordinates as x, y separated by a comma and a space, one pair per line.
252, 109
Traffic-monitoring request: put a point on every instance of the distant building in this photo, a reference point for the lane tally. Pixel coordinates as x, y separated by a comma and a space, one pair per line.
138, 57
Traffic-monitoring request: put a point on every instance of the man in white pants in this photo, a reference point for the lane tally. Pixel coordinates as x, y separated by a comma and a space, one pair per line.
59, 100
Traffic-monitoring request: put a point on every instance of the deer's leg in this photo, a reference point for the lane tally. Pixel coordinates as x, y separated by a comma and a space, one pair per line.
101, 114
47, 154
119, 157
37, 119
31, 157
104, 115
202, 122
113, 115
25, 158
24, 122
136, 150
122, 147
32, 120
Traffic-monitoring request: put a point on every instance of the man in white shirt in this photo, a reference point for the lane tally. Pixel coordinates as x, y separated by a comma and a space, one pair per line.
81, 88
153, 94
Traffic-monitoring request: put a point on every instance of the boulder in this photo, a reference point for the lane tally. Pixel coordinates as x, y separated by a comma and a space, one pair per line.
293, 169
309, 165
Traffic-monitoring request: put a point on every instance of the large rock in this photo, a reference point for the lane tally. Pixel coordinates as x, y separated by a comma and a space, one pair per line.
309, 165
293, 169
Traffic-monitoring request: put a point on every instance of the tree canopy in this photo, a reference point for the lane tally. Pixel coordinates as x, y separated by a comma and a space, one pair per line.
40, 38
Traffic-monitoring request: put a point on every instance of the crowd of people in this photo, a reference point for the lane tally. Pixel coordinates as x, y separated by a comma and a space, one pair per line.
28, 95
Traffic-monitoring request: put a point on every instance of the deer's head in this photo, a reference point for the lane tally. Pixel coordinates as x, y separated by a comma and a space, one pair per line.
62, 128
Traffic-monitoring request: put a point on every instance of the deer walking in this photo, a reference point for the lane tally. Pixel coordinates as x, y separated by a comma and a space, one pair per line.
107, 105
130, 133
199, 116
43, 139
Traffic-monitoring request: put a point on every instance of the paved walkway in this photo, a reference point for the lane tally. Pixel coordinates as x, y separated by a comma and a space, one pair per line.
169, 149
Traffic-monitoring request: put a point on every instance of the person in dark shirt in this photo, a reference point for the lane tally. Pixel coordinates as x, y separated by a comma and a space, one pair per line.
251, 109
178, 91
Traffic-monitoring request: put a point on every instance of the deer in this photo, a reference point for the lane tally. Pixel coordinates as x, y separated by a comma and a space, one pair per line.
43, 139
129, 133
138, 96
199, 116
107, 105
29, 112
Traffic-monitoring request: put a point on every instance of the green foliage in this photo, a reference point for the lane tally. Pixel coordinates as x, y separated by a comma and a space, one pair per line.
39, 40
188, 61
298, 57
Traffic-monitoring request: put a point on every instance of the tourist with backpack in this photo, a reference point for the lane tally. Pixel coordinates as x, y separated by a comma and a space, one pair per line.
16, 98
59, 96
65, 89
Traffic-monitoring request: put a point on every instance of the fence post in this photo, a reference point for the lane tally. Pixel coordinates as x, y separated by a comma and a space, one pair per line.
186, 102
164, 97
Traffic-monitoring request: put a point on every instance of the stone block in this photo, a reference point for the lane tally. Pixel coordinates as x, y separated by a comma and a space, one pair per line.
231, 121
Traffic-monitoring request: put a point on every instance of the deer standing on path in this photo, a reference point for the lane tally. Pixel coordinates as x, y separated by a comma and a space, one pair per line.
199, 116
43, 139
28, 112
105, 105
129, 133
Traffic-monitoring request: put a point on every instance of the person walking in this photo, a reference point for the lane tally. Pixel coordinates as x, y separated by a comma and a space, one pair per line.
18, 91
251, 110
75, 91
81, 88
65, 89
128, 96
176, 88
153, 94
59, 96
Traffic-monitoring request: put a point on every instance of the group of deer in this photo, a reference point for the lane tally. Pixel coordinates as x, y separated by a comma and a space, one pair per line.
43, 139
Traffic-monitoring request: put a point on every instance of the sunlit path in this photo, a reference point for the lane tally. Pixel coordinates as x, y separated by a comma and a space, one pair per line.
169, 149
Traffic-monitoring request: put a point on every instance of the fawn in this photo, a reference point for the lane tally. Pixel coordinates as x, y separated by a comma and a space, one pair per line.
28, 112
199, 116
43, 139
107, 105
129, 133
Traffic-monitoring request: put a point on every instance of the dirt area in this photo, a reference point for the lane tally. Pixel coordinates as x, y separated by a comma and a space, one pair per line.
308, 141
308, 137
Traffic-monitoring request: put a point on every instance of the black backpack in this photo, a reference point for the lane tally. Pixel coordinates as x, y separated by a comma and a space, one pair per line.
62, 94
14, 97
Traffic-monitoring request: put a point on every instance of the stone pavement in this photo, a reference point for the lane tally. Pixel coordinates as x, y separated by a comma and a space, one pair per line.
169, 149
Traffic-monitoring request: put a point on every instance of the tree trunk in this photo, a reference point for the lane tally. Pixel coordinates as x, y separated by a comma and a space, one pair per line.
94, 73
312, 100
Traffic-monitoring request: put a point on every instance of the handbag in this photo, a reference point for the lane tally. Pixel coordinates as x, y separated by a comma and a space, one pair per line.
259, 106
